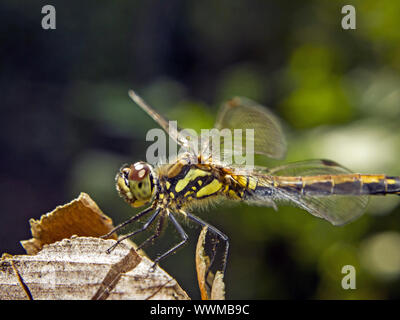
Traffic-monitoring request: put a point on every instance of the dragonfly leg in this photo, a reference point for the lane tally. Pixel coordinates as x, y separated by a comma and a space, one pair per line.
156, 234
130, 220
145, 226
215, 231
183, 235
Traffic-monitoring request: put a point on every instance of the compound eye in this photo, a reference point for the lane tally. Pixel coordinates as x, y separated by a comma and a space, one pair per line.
138, 171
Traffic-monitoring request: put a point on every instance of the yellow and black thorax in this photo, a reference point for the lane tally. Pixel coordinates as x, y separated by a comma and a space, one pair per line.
183, 184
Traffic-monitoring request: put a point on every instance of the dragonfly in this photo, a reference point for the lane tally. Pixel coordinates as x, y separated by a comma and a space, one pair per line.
196, 178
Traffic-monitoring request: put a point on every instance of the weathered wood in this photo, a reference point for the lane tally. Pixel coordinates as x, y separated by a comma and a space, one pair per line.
80, 268
67, 260
81, 217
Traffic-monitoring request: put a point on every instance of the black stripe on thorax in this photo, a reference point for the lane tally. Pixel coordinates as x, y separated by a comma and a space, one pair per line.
182, 174
195, 183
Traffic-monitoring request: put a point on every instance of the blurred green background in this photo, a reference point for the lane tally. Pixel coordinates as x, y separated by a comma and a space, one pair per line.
67, 124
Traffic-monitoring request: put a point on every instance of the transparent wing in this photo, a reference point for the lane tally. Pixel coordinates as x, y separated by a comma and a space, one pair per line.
337, 209
242, 113
309, 168
182, 137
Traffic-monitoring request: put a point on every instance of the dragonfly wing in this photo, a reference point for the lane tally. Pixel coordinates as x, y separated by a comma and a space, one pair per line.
337, 209
309, 168
243, 113
183, 138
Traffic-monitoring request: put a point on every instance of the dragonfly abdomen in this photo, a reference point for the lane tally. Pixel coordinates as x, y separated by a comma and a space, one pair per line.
343, 184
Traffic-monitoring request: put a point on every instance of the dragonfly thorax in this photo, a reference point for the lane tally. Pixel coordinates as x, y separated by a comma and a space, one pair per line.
136, 183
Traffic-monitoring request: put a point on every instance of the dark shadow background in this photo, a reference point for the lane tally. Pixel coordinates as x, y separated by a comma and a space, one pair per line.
67, 124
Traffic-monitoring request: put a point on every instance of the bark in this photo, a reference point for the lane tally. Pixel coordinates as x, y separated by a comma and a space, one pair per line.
80, 268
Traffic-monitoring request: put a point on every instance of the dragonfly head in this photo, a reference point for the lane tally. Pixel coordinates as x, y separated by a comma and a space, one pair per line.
136, 183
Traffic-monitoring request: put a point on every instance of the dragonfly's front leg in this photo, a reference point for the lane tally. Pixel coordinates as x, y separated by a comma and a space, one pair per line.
156, 234
145, 226
130, 220
181, 232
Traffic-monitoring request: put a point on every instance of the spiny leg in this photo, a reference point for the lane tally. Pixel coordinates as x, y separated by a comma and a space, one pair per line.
183, 235
130, 220
145, 226
215, 231
156, 234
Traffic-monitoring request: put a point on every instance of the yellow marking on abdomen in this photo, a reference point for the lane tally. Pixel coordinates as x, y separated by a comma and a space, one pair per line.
191, 175
209, 189
242, 180
252, 183
278, 181
246, 181
275, 181
372, 178
313, 179
340, 184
